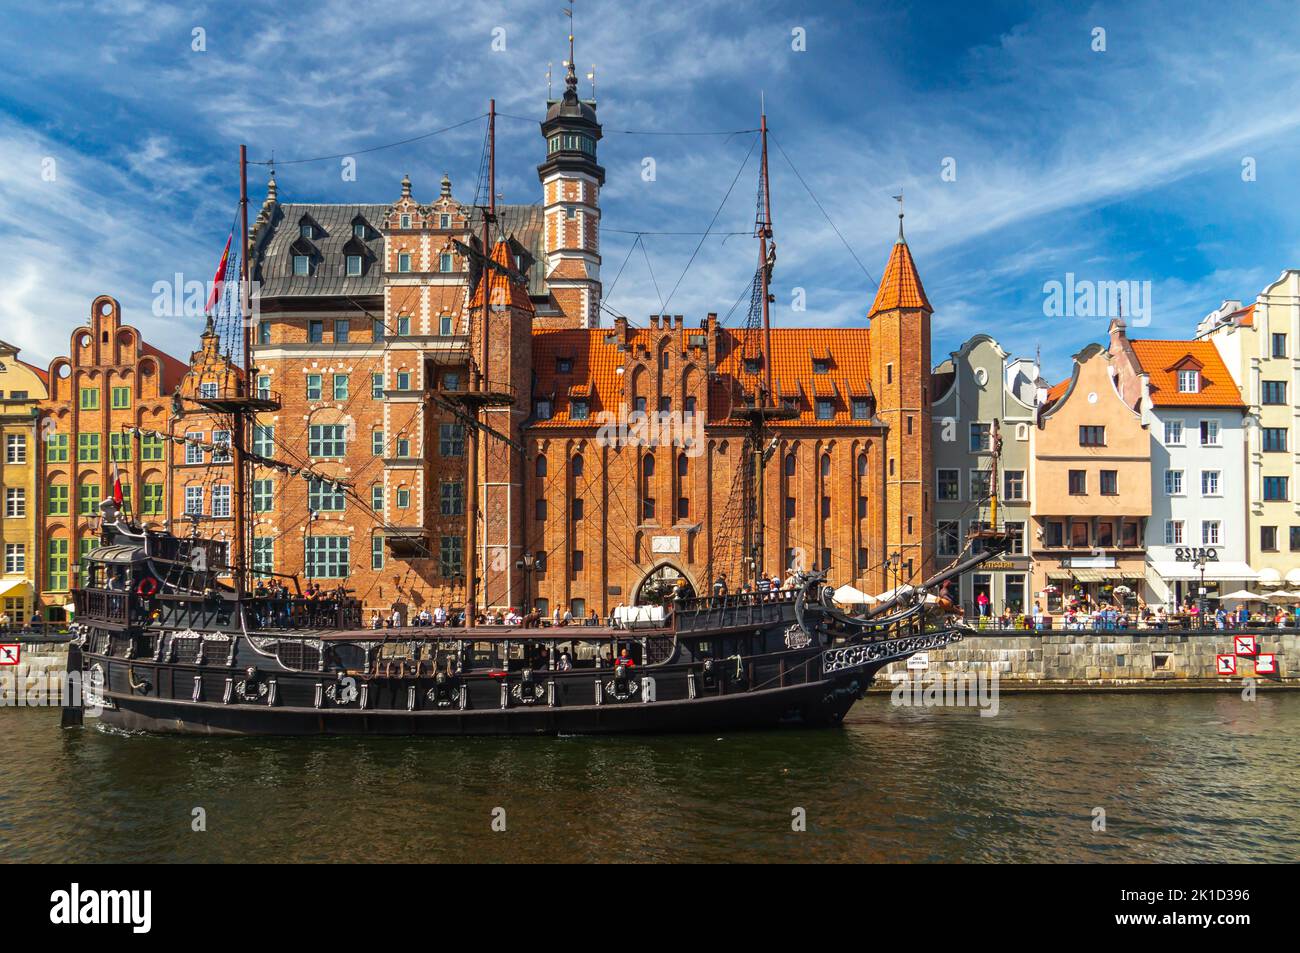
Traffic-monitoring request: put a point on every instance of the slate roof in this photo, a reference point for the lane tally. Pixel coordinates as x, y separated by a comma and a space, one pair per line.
332, 225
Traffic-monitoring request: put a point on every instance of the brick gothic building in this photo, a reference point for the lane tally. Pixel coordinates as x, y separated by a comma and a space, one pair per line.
110, 379
368, 316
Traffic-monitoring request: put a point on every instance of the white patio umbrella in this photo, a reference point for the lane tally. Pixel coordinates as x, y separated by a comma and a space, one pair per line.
850, 595
1242, 595
1283, 596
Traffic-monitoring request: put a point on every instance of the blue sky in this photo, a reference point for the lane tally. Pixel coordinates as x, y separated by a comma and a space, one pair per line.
1122, 164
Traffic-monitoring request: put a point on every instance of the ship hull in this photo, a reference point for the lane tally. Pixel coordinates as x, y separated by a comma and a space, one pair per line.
815, 705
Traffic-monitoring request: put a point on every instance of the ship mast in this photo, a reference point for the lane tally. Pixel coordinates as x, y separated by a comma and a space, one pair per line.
237, 434
764, 407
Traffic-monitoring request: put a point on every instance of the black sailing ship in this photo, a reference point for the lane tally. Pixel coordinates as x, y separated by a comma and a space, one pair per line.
170, 638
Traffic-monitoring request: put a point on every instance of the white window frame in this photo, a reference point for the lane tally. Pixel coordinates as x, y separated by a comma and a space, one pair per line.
221, 501
1173, 532
1189, 381
1173, 483
1214, 479
15, 502
194, 501
1213, 426
194, 454
1173, 433
1210, 532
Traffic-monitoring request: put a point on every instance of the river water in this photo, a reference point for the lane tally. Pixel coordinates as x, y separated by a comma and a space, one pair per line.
1180, 777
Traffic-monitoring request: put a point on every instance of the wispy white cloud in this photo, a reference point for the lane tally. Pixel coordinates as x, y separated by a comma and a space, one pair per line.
1119, 164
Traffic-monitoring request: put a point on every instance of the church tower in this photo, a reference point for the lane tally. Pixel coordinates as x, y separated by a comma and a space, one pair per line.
571, 181
900, 379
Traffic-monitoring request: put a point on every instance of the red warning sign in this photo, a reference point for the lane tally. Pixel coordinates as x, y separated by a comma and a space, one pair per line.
10, 653
1266, 665
1226, 664
1244, 645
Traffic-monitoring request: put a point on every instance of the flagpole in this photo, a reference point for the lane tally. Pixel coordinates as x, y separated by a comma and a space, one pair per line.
241, 410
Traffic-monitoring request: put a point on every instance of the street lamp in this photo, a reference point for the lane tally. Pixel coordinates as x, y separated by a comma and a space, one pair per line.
894, 563
527, 564
1199, 562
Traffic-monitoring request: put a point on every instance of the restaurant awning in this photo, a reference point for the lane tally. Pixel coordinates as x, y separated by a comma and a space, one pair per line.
1270, 577
1167, 569
1093, 575
16, 587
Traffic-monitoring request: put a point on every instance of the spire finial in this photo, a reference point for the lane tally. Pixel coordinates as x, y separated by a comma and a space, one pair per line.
899, 199
446, 185
571, 77
406, 185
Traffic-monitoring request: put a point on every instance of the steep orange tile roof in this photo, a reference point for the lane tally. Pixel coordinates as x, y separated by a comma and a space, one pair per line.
900, 285
1162, 359
596, 362
43, 374
173, 369
503, 290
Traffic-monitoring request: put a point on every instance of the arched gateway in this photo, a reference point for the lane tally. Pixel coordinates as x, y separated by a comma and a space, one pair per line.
659, 584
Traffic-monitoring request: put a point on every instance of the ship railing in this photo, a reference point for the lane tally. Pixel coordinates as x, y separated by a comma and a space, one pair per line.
735, 609
298, 612
191, 611
103, 605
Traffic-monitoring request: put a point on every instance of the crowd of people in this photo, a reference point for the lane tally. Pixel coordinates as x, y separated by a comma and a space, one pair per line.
1084, 614
442, 617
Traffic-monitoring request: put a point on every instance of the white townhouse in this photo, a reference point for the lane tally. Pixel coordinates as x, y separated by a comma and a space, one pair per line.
1197, 420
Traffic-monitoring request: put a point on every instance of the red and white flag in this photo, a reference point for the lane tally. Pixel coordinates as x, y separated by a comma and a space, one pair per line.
219, 279
117, 486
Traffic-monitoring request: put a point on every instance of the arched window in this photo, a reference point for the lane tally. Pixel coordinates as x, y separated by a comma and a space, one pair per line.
826, 465
648, 466
539, 468
862, 464
683, 464
790, 464
577, 465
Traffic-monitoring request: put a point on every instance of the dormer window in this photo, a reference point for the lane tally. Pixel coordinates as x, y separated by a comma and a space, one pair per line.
821, 366
861, 409
579, 410
1189, 381
444, 220
753, 365
406, 221
564, 365
359, 230
354, 266
305, 231
301, 265
542, 409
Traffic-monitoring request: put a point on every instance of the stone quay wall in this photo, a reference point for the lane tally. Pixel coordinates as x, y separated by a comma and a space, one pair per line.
37, 679
1105, 661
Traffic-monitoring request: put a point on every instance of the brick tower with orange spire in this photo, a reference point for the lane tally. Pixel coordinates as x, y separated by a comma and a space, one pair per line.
900, 378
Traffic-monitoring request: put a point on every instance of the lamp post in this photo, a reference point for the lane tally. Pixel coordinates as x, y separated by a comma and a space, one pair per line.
894, 563
1199, 562
527, 564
